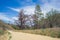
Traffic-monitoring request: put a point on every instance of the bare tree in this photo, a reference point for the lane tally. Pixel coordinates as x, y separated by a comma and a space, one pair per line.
21, 19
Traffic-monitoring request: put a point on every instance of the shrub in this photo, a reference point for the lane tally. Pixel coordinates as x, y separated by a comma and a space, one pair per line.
1, 32
15, 27
58, 34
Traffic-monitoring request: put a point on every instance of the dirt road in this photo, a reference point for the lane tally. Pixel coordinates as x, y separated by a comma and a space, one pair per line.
26, 36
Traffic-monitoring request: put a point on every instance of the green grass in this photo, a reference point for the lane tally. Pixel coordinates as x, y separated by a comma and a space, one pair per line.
53, 32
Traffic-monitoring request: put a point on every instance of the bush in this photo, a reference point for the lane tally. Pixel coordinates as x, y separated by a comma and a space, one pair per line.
15, 27
1, 32
58, 34
52, 34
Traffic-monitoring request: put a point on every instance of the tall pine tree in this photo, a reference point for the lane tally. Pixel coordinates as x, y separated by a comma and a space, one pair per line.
37, 16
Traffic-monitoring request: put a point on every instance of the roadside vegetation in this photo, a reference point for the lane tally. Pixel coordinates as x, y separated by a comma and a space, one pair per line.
4, 34
2, 29
52, 32
1, 32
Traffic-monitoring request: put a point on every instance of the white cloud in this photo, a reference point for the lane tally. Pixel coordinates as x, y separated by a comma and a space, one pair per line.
5, 18
25, 2
51, 2
15, 9
15, 18
47, 6
2, 16
28, 9
54, 3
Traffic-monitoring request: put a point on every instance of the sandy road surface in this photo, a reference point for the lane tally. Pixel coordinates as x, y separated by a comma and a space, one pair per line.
26, 36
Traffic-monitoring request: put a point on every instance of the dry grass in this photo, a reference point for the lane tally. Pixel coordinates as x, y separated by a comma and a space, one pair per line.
4, 35
53, 32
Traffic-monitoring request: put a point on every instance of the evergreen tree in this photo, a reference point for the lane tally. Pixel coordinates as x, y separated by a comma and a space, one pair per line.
37, 16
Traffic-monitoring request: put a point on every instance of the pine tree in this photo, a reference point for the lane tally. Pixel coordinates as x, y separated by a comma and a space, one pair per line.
37, 16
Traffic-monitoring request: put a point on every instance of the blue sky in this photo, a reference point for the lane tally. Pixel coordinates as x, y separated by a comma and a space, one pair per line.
9, 9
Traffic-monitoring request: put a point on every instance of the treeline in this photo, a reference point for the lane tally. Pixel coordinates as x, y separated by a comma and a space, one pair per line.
37, 20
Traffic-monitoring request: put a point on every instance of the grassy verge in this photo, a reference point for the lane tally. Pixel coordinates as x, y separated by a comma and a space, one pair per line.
5, 35
53, 32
